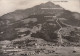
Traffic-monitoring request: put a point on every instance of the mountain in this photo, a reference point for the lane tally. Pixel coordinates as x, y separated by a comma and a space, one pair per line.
18, 15
43, 8
41, 21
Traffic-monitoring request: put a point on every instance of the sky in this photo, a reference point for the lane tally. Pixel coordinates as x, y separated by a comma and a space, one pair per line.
7, 6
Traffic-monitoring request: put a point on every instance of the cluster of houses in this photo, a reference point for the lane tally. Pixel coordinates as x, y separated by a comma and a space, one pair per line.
10, 49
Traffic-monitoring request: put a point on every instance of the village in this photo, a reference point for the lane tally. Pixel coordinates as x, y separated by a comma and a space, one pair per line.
37, 47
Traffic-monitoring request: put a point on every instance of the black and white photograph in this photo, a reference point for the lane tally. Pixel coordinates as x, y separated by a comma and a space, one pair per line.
39, 27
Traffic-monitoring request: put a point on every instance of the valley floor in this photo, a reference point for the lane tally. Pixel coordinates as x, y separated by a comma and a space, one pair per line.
55, 51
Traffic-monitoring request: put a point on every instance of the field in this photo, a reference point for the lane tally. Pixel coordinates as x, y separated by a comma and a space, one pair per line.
62, 51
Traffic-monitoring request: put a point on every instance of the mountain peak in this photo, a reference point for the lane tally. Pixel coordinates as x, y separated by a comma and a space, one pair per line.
49, 3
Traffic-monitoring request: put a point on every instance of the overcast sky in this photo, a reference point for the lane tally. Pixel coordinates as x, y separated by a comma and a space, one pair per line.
7, 6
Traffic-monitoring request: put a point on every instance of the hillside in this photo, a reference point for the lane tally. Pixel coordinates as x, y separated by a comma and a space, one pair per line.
39, 21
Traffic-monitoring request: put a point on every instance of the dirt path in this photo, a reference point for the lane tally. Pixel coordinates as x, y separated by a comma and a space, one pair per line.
59, 34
